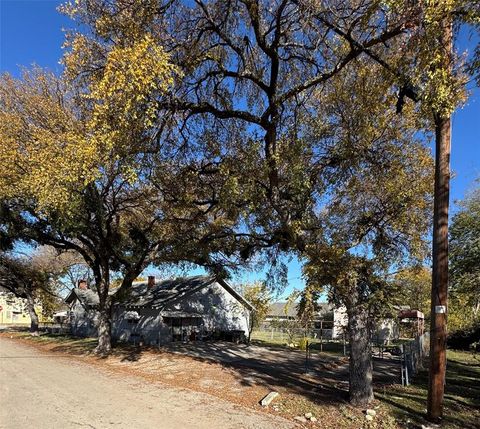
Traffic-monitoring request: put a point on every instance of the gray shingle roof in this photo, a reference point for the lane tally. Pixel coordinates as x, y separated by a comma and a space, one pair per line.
87, 297
157, 296
277, 309
140, 295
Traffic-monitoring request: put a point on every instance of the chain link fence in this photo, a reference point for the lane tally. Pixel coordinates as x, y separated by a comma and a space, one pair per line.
55, 327
395, 362
413, 355
318, 339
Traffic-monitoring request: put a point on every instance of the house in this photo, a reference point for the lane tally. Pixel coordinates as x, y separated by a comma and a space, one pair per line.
328, 319
330, 322
385, 329
401, 322
13, 310
181, 309
280, 311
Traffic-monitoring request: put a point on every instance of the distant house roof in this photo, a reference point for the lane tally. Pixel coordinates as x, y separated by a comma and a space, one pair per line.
161, 293
87, 297
277, 309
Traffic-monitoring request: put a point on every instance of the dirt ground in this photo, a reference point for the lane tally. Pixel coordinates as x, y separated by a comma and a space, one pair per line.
236, 373
50, 390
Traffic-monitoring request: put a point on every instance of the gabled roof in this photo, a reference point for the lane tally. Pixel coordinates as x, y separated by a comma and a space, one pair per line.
233, 292
162, 293
168, 291
87, 297
277, 309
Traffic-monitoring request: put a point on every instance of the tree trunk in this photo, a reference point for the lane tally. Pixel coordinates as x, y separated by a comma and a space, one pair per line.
360, 367
104, 346
104, 332
33, 315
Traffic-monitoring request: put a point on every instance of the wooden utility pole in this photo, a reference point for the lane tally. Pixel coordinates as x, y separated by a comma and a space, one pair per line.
438, 328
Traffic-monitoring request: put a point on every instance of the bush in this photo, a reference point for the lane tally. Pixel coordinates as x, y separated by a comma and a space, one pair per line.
464, 339
302, 343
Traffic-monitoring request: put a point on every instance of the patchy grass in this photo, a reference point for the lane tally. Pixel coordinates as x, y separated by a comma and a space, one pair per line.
462, 395
66, 343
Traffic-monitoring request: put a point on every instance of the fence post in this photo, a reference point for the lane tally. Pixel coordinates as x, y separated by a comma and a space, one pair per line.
405, 360
407, 381
306, 357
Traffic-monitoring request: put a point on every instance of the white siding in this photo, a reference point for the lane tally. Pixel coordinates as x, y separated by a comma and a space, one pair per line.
84, 323
219, 310
340, 322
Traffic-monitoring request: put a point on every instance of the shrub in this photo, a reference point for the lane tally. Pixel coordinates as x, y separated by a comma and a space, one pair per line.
302, 343
463, 339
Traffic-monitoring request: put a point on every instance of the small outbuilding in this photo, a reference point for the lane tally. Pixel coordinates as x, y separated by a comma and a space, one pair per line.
412, 322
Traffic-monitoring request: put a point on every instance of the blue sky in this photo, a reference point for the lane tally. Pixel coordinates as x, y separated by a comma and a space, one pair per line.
31, 32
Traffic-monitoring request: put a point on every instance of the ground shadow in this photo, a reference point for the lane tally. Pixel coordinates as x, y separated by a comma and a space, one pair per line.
461, 400
323, 378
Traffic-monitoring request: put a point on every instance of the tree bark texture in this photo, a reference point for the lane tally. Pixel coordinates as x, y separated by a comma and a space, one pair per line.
360, 366
33, 315
104, 346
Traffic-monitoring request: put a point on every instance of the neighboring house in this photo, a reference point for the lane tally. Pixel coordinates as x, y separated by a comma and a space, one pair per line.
333, 321
402, 322
280, 311
327, 318
385, 330
13, 310
83, 304
170, 310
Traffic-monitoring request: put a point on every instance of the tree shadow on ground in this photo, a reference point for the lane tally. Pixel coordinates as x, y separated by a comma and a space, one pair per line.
461, 400
323, 379
86, 346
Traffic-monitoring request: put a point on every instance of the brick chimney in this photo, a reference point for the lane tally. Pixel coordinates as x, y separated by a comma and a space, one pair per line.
82, 284
151, 281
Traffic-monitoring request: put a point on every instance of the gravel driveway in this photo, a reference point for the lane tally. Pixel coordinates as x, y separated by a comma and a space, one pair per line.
40, 390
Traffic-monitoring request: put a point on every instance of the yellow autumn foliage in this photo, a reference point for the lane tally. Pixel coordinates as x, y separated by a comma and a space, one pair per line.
61, 134
124, 98
45, 154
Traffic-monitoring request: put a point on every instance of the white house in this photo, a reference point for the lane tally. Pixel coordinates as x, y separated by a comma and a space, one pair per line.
328, 318
170, 310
